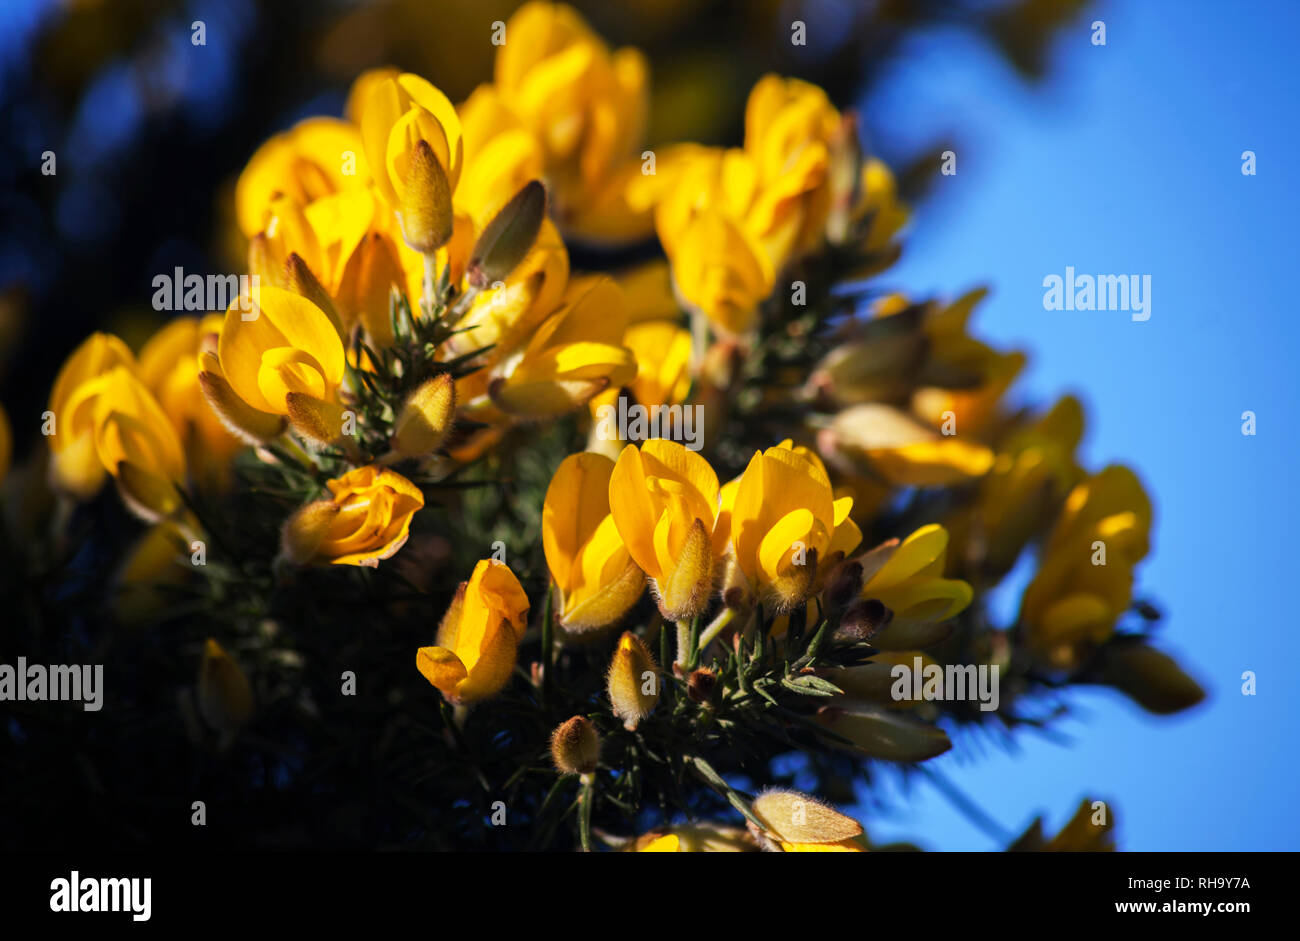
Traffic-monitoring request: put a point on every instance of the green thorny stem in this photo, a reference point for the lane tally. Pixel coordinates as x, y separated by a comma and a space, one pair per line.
586, 797
688, 634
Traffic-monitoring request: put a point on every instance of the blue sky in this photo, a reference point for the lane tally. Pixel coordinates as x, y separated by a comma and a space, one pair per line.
1129, 162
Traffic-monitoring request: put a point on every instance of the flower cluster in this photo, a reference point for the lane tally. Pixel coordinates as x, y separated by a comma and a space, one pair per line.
858, 480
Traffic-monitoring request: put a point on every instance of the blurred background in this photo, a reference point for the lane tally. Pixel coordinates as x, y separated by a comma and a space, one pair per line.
1115, 159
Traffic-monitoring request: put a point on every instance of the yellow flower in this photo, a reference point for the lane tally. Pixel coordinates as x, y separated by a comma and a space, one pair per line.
284, 357
878, 207
1085, 577
413, 141
790, 128
907, 578
224, 695
875, 437
595, 576
798, 823
633, 681
786, 525
1034, 470
695, 838
159, 560
169, 367
1090, 830
366, 521
310, 161
478, 637
985, 374
505, 317
501, 155
720, 265
586, 107
138, 445
577, 352
75, 466
665, 503
662, 350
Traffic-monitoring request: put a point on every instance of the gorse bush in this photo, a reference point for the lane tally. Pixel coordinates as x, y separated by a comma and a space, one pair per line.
451, 545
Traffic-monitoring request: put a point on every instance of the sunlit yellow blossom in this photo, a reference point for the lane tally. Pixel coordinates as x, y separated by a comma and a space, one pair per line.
284, 357
790, 127
595, 576
649, 291
138, 445
478, 637
505, 317
75, 466
501, 155
907, 578
169, 366
720, 266
1085, 577
316, 158
586, 107
786, 527
576, 353
665, 502
367, 519
881, 439
413, 141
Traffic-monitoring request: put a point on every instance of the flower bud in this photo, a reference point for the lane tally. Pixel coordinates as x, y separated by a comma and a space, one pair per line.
305, 530
700, 684
508, 237
843, 584
300, 279
795, 820
1150, 678
575, 746
317, 420
863, 620
426, 203
633, 682
889, 736
685, 592
425, 419
225, 697
241, 419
